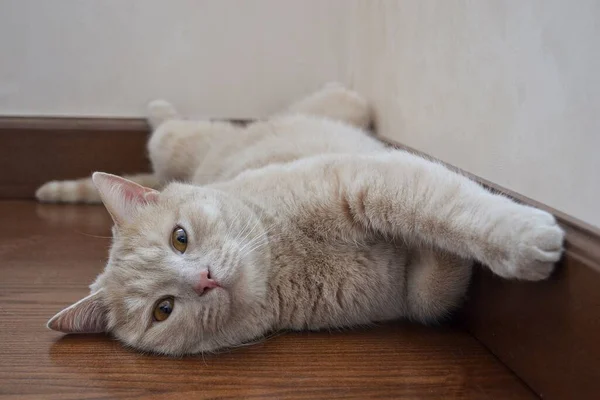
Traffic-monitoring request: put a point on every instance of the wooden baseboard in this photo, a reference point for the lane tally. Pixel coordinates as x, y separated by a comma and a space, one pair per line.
546, 332
37, 150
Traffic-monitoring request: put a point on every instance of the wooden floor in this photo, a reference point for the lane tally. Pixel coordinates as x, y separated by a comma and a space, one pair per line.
49, 254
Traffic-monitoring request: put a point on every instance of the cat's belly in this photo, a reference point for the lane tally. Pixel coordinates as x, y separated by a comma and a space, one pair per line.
318, 285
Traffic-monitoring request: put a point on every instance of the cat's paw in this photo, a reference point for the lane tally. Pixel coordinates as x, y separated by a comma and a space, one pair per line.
533, 243
337, 102
77, 191
50, 192
160, 111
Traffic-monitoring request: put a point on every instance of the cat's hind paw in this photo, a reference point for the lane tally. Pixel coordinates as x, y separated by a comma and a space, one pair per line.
336, 102
76, 191
160, 111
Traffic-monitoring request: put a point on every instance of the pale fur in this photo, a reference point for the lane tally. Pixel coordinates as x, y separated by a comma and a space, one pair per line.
306, 222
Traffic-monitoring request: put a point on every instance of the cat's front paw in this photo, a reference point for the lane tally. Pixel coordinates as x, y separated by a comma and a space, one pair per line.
533, 243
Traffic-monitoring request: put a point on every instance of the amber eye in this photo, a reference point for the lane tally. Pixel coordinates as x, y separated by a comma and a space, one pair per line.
163, 309
179, 239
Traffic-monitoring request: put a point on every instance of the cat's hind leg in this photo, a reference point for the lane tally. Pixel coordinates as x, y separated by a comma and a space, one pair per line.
436, 282
83, 190
336, 102
177, 147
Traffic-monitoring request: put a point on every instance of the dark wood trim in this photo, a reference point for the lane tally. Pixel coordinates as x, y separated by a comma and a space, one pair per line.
39, 149
36, 150
83, 124
65, 124
546, 332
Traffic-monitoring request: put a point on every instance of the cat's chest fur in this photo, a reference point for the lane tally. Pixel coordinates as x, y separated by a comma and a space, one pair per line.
317, 282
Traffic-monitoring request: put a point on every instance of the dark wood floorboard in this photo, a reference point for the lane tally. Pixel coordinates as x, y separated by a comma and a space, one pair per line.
49, 254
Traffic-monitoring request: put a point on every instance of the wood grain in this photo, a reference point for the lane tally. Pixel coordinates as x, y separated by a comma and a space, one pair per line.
51, 253
547, 332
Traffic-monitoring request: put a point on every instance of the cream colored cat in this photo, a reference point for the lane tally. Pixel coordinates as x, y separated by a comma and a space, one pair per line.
300, 222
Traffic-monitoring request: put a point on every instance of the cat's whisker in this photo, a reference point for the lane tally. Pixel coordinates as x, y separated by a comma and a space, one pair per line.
246, 225
94, 236
256, 224
248, 250
245, 251
263, 234
263, 237
250, 243
235, 221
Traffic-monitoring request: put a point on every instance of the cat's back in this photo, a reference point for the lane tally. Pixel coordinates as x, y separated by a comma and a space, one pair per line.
285, 139
307, 136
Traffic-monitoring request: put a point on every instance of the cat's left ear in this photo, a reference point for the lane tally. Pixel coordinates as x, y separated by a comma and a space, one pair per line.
88, 315
121, 197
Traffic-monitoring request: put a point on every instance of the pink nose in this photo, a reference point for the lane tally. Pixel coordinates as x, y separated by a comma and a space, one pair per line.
204, 283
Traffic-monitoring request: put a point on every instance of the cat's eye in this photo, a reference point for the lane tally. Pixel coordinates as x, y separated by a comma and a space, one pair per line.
163, 308
179, 239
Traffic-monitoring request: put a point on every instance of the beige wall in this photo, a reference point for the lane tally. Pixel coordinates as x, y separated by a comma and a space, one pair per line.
218, 58
508, 90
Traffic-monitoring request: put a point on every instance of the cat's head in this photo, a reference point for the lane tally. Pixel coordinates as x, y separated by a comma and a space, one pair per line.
186, 273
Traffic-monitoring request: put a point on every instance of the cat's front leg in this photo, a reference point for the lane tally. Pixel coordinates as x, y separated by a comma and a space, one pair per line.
405, 196
399, 193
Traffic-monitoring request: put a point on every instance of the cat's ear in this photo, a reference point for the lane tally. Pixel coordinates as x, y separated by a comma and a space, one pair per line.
88, 315
122, 197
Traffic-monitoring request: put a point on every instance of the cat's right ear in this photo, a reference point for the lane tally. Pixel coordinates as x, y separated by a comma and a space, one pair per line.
121, 197
88, 315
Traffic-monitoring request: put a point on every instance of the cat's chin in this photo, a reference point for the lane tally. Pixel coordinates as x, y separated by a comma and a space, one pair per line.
219, 301
215, 293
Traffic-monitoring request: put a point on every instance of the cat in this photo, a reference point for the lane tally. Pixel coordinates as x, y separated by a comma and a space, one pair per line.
303, 221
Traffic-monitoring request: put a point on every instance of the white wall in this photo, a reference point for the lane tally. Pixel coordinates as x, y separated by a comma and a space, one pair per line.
218, 58
508, 90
